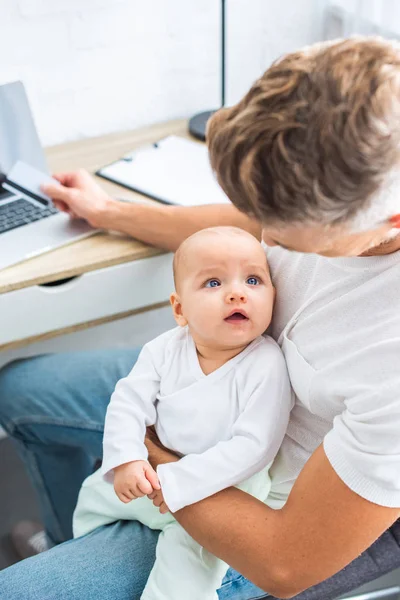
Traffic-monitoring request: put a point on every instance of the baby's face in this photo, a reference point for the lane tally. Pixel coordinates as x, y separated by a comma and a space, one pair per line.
225, 291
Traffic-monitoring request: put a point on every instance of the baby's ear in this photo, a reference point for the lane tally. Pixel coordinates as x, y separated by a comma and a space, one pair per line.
177, 309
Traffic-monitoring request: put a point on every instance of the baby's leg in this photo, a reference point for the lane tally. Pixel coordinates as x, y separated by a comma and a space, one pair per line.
99, 505
183, 569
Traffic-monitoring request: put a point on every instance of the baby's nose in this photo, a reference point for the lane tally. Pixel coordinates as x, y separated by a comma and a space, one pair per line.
237, 295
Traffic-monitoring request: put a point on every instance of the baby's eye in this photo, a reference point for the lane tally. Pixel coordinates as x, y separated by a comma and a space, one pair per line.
212, 283
252, 280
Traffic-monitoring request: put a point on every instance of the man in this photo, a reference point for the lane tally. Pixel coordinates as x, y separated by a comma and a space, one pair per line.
310, 155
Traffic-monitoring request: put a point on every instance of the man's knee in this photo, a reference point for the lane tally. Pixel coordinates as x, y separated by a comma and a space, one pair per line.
73, 385
20, 381
38, 386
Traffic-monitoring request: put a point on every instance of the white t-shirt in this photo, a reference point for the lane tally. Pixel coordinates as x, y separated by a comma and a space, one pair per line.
228, 424
337, 321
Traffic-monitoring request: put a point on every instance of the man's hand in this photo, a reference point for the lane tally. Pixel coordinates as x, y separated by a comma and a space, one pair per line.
135, 480
80, 197
158, 501
158, 454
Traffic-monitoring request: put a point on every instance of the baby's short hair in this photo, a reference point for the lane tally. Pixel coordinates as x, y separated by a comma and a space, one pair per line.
185, 245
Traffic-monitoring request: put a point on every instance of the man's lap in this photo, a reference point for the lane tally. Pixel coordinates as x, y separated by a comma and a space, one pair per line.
62, 399
111, 562
114, 562
71, 388
67, 389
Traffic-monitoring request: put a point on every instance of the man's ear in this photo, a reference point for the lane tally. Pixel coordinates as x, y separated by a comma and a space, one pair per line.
395, 221
177, 309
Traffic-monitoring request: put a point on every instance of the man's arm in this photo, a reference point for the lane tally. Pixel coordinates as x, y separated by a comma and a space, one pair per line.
154, 223
167, 226
321, 529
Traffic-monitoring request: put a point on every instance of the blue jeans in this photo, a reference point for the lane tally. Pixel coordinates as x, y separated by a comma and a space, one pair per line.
53, 407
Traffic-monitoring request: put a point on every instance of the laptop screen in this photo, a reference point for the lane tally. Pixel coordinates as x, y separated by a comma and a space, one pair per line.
18, 136
3, 192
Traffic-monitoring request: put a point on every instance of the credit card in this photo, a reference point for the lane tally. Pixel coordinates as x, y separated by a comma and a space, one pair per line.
25, 181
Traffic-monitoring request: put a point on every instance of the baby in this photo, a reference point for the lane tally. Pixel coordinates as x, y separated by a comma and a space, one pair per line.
217, 391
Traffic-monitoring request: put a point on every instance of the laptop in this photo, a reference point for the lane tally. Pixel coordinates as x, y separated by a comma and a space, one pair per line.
26, 229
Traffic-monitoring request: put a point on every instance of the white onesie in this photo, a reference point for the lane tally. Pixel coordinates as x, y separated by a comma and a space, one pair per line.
228, 427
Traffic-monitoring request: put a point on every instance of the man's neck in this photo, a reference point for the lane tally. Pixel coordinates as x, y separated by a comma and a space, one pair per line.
386, 247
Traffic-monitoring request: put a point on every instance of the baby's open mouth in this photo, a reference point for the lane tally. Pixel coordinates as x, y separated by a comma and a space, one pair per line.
236, 316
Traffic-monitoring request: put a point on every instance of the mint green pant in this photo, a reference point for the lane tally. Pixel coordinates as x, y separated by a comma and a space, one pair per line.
183, 570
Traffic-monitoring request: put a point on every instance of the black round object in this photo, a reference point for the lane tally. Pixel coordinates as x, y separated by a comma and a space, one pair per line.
197, 124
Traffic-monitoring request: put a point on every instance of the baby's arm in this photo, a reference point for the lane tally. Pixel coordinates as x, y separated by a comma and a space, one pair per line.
131, 410
256, 437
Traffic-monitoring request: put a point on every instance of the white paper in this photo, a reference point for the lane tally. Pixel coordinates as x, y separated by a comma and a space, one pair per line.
177, 171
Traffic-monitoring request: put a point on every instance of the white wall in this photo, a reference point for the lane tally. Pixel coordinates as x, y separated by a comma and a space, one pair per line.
96, 66
367, 17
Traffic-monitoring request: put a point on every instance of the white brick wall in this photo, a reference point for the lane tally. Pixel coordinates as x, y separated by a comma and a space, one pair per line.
95, 66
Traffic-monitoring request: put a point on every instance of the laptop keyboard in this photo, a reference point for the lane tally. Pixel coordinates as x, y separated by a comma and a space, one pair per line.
21, 212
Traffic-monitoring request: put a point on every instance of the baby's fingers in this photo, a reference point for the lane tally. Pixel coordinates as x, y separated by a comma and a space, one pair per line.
151, 476
144, 486
125, 498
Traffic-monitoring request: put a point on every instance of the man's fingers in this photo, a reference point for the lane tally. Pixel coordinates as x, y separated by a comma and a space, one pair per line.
68, 179
61, 206
163, 508
63, 178
59, 192
157, 501
151, 476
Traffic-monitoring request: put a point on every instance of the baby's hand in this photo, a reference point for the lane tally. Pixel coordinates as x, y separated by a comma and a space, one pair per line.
134, 480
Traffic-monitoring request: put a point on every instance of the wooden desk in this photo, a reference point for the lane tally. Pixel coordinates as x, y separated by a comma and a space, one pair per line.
100, 251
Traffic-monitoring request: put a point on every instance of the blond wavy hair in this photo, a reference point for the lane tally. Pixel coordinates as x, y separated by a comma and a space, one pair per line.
316, 138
